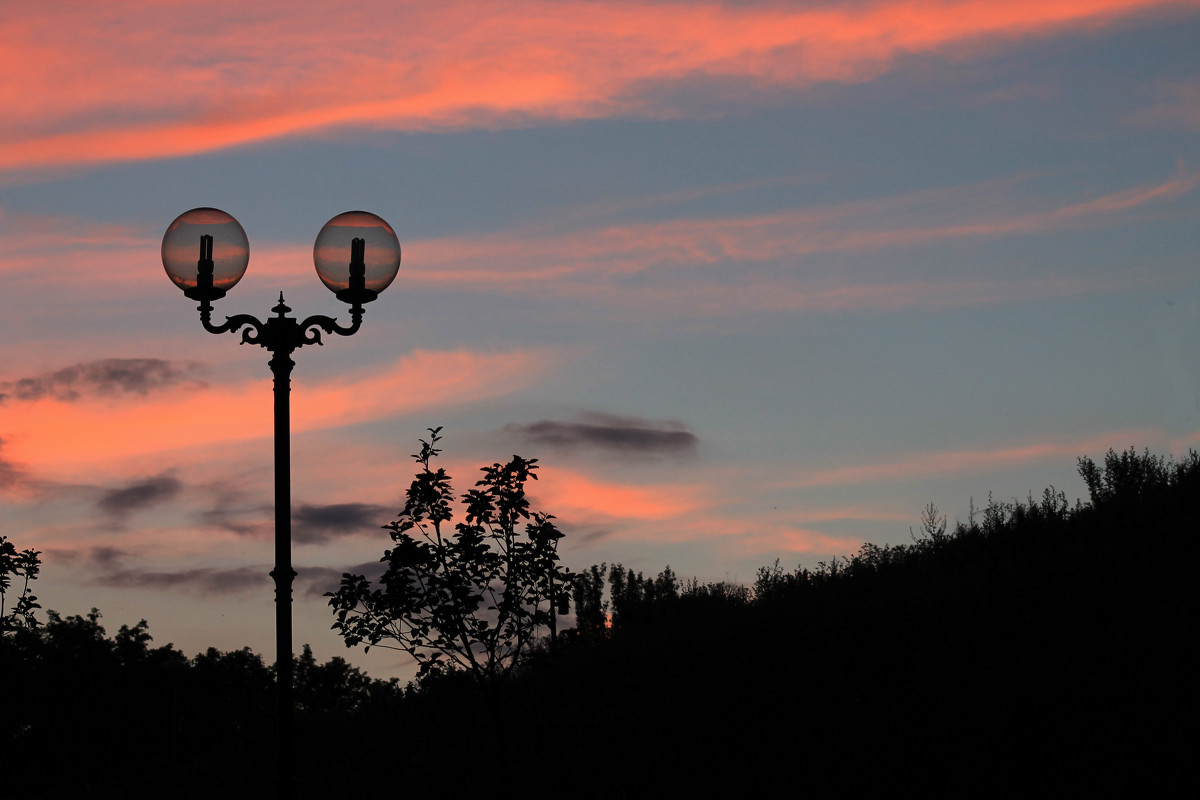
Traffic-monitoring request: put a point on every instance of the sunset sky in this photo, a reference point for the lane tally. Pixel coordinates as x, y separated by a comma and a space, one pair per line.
752, 280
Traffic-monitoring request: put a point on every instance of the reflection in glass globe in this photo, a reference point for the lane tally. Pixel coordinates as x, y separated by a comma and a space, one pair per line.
184, 251
333, 253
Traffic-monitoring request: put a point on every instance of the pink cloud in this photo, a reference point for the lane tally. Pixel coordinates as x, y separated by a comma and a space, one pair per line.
137, 80
574, 496
800, 541
56, 439
764, 535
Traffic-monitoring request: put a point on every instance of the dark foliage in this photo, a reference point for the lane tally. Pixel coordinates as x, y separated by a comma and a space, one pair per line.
23, 567
470, 599
1037, 648
102, 717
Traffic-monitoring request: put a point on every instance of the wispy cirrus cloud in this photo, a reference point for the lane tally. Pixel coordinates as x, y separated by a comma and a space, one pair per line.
1176, 105
719, 528
647, 263
557, 259
614, 265
942, 462
123, 81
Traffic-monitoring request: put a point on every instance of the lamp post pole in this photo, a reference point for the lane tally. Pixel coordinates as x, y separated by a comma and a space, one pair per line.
283, 574
281, 335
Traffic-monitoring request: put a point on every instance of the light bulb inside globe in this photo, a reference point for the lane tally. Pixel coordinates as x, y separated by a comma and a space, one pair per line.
357, 256
205, 253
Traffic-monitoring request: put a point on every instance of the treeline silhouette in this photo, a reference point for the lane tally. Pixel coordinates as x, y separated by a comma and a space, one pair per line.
88, 715
1035, 648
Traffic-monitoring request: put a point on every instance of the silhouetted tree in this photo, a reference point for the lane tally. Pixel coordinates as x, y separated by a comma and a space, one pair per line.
329, 688
591, 609
471, 599
1129, 478
632, 597
724, 591
933, 526
24, 567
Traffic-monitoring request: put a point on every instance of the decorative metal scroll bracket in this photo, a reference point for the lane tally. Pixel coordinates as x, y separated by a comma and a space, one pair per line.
281, 333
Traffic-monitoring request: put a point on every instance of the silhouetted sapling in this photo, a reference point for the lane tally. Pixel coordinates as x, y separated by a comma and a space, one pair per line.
24, 567
471, 599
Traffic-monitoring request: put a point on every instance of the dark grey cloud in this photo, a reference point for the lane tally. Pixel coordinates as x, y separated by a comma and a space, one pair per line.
107, 376
205, 580
139, 495
60, 555
102, 556
14, 476
236, 510
316, 581
229, 516
107, 557
316, 524
311, 582
596, 535
609, 433
261, 529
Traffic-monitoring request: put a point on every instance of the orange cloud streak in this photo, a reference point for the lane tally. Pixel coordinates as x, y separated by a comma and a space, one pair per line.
52, 438
799, 540
577, 497
136, 80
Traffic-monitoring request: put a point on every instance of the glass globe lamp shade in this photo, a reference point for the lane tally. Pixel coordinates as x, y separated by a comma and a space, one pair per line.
357, 256
205, 252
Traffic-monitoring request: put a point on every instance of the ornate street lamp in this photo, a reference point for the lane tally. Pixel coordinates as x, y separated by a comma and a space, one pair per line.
357, 255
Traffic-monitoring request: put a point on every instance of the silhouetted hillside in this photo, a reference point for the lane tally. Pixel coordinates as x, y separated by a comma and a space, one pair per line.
1036, 648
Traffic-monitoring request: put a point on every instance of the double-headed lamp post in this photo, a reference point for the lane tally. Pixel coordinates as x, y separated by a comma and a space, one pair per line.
357, 255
